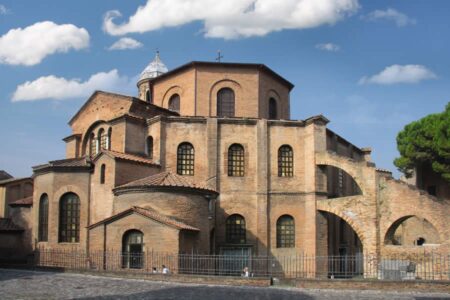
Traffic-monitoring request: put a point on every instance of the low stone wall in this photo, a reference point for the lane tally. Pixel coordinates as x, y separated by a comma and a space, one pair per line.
338, 284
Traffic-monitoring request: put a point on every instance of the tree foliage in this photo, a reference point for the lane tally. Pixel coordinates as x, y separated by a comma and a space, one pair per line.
426, 141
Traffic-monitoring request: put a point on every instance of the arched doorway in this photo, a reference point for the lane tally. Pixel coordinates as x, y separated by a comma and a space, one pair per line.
132, 249
344, 249
411, 231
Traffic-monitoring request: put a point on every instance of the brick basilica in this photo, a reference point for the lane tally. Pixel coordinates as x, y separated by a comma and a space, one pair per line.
207, 160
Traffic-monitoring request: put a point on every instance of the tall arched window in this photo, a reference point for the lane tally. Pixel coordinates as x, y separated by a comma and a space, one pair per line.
102, 174
149, 147
235, 230
236, 160
285, 232
273, 114
285, 161
69, 218
225, 103
92, 145
43, 219
148, 96
174, 103
108, 143
185, 159
132, 249
102, 139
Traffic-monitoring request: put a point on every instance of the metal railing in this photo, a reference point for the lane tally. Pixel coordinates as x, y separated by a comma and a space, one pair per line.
418, 267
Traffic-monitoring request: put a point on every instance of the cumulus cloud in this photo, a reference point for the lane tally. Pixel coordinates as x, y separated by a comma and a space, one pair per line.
30, 45
400, 74
390, 14
125, 43
59, 88
328, 47
232, 18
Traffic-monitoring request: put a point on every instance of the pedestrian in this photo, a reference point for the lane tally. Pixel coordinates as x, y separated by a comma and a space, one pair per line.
165, 270
154, 271
245, 272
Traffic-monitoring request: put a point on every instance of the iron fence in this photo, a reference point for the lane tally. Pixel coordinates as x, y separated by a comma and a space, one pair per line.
418, 267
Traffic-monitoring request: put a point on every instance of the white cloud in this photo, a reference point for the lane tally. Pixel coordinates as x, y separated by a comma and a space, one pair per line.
125, 43
3, 10
30, 45
328, 47
391, 14
400, 74
232, 18
59, 88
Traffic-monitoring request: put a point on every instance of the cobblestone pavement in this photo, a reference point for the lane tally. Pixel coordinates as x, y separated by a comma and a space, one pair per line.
20, 284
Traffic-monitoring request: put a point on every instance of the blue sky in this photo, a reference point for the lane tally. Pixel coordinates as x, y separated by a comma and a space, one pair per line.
371, 67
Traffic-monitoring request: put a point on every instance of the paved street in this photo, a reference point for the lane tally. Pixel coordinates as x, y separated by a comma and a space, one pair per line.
19, 284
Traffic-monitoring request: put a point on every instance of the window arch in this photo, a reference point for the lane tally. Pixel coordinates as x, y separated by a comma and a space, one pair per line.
43, 219
149, 147
185, 159
108, 143
285, 232
132, 249
236, 160
102, 141
285, 161
235, 231
69, 218
273, 110
102, 174
225, 103
174, 103
148, 96
92, 145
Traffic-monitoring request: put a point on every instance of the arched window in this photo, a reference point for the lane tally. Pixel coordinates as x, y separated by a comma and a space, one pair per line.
225, 103
273, 114
148, 96
132, 249
102, 139
149, 147
236, 160
69, 218
174, 103
285, 161
108, 143
92, 145
43, 219
285, 232
235, 230
185, 159
102, 174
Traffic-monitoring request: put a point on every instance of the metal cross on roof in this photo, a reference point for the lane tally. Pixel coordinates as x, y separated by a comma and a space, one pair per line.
219, 56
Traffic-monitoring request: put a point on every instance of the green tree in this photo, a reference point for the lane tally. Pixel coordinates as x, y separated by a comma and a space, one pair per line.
426, 141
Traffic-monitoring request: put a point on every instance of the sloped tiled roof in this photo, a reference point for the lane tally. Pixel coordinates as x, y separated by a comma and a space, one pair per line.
151, 214
166, 179
129, 157
14, 179
65, 163
6, 224
4, 175
23, 202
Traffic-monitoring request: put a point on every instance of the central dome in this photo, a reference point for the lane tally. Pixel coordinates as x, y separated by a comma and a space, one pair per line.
154, 69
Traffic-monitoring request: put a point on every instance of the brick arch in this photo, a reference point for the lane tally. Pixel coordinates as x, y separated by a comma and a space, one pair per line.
223, 83
169, 93
88, 133
349, 221
350, 167
394, 225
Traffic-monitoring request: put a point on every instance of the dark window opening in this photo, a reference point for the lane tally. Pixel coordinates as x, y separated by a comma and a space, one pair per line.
420, 241
149, 147
69, 218
235, 230
185, 159
273, 114
43, 219
148, 96
225, 103
102, 174
236, 160
132, 249
174, 103
285, 232
285, 161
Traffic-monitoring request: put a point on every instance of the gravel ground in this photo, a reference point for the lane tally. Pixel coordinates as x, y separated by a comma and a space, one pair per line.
21, 284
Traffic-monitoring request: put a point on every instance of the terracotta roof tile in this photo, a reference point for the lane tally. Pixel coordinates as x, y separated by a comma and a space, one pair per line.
166, 179
151, 214
64, 163
22, 202
129, 157
6, 224
10, 180
4, 175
